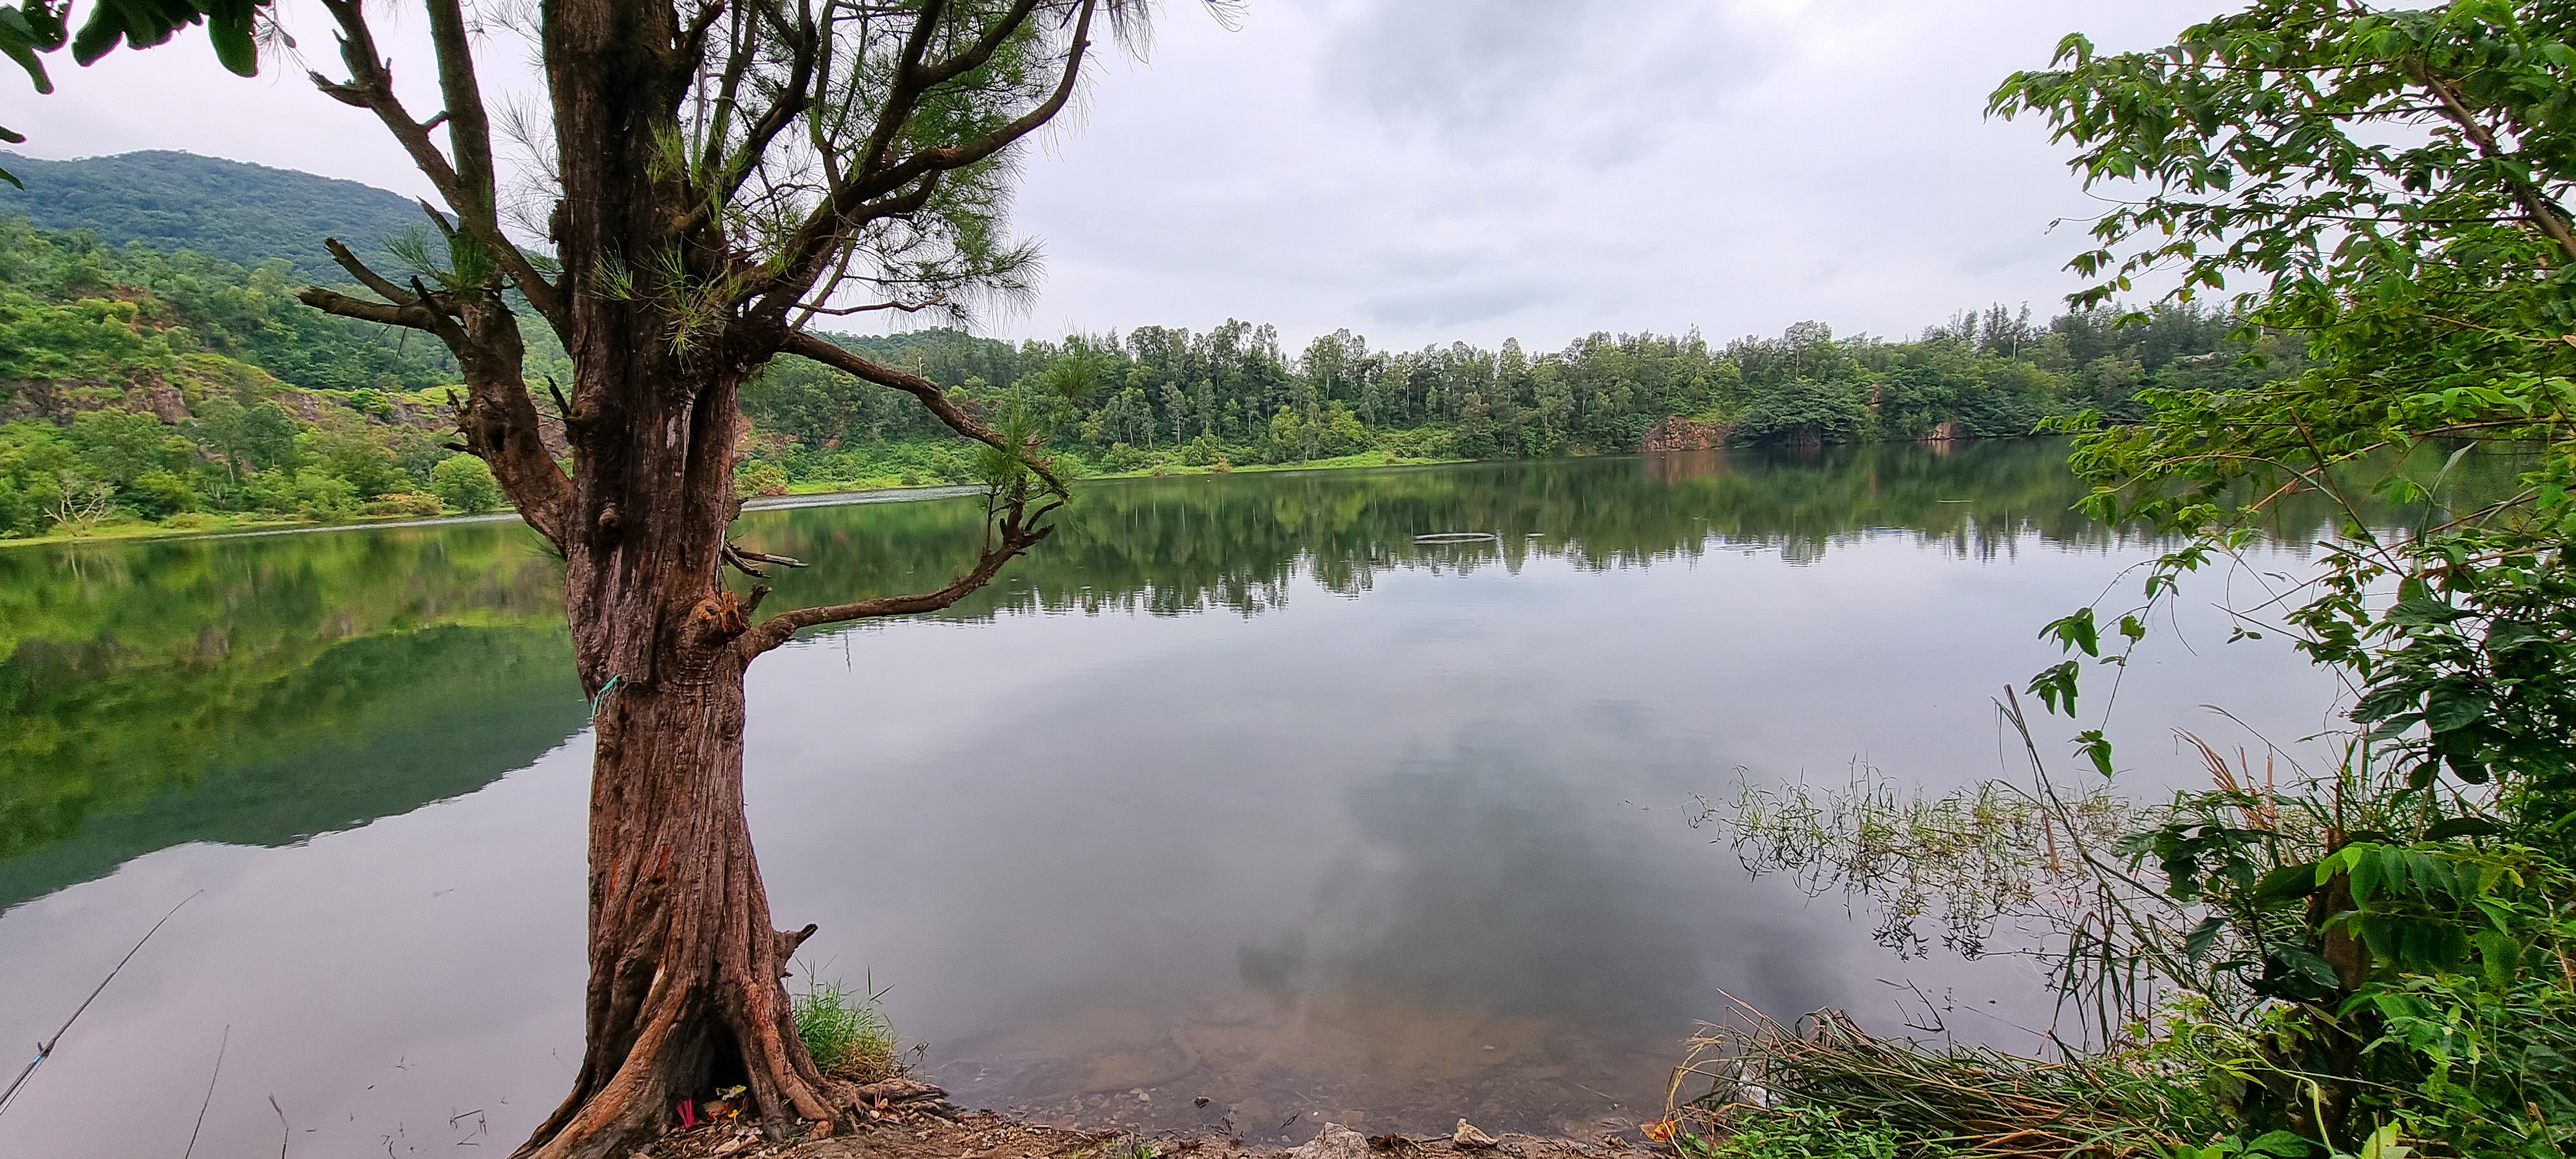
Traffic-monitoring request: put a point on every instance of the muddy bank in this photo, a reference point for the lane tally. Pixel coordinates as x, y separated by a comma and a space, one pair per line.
984, 1135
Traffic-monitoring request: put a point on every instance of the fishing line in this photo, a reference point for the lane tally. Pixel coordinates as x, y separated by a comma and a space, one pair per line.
45, 1049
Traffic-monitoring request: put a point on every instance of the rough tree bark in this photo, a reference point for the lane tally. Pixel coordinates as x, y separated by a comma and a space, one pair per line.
665, 314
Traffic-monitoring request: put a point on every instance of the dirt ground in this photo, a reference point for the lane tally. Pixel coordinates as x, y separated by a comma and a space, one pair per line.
939, 1134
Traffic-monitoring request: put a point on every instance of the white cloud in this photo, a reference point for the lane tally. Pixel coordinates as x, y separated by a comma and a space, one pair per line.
1424, 170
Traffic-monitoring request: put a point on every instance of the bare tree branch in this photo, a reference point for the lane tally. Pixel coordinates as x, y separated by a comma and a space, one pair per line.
924, 79
2542, 211
411, 316
467, 184
1016, 537
443, 322
960, 156
752, 563
872, 307
794, 97
371, 87
383, 286
477, 198
904, 95
693, 42
923, 389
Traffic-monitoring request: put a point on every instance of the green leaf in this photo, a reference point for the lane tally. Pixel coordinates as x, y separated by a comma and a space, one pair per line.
2499, 957
2055, 687
2451, 827
2279, 1143
2449, 706
2196, 944
2091, 743
235, 48
2423, 612
2284, 884
2304, 964
2075, 632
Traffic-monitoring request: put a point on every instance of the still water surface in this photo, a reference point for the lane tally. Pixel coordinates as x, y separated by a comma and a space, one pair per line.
1356, 795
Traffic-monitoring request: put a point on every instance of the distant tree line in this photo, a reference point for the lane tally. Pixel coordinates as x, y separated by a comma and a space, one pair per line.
1159, 396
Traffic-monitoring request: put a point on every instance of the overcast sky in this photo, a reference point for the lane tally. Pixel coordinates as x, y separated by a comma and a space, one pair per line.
1425, 170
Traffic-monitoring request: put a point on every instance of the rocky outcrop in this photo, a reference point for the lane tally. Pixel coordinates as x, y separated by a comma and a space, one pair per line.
1676, 433
154, 394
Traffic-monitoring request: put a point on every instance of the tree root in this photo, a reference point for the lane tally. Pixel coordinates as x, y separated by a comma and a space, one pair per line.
897, 1096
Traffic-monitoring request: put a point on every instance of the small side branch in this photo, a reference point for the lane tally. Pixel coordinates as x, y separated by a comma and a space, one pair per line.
1016, 534
2542, 211
411, 315
927, 392
382, 285
754, 563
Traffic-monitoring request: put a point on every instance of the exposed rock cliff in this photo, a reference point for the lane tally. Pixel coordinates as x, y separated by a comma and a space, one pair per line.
1676, 433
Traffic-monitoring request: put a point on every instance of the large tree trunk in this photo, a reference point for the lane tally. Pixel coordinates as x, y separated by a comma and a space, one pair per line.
685, 995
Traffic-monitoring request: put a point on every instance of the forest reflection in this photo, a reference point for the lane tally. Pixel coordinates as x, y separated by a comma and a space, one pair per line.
1172, 546
261, 690
264, 689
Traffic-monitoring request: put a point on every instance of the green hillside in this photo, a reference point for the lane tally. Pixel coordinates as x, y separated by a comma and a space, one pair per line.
155, 366
176, 387
231, 210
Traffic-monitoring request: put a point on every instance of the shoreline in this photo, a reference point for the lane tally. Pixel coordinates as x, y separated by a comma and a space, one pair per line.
904, 1134
253, 529
831, 494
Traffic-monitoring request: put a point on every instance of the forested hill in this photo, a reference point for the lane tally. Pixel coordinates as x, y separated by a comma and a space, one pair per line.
230, 210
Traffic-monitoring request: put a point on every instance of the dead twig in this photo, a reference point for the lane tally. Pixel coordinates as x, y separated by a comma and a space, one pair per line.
211, 1080
45, 1049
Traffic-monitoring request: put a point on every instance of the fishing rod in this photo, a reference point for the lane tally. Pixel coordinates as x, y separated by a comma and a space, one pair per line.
45, 1049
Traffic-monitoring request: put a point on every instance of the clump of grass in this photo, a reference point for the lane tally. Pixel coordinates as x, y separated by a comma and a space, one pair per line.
1764, 1080
846, 1031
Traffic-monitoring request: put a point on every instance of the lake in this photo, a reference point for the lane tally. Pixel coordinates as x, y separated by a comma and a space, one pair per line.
1361, 795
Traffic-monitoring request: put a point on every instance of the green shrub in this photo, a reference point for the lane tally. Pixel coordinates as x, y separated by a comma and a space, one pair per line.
159, 493
759, 477
1121, 457
1202, 451
19, 514
1806, 411
320, 494
404, 503
465, 483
